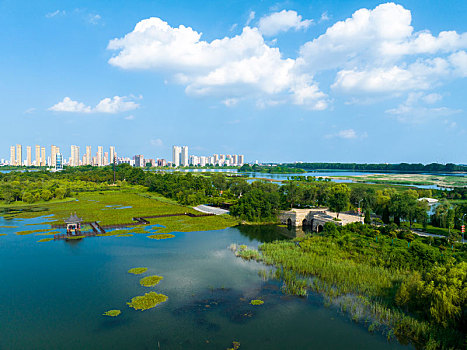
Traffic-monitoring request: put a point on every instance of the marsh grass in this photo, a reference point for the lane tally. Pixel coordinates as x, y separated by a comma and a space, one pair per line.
161, 236
2, 234
137, 270
147, 301
125, 235
23, 233
150, 281
8, 226
45, 240
112, 313
256, 302
50, 233
74, 238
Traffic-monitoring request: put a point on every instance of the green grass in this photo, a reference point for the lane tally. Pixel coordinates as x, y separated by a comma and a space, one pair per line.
112, 313
20, 204
49, 233
23, 233
150, 281
189, 224
435, 230
147, 301
138, 270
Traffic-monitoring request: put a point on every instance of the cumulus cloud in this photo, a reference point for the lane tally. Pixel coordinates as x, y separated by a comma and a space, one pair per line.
282, 21
375, 52
157, 142
55, 13
112, 105
243, 65
251, 17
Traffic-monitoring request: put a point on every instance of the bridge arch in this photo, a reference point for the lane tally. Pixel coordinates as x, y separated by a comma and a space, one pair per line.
319, 228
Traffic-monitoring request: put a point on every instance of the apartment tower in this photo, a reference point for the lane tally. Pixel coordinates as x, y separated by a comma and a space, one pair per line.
176, 152
12, 155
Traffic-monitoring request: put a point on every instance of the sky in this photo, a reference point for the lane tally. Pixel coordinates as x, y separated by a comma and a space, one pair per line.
313, 81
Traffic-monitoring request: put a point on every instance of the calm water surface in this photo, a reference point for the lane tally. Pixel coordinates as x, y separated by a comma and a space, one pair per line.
53, 294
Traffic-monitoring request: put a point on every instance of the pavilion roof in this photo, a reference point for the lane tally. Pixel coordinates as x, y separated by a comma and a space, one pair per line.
73, 219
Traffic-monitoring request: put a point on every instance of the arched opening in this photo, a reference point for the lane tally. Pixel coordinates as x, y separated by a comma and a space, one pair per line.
319, 228
289, 222
305, 222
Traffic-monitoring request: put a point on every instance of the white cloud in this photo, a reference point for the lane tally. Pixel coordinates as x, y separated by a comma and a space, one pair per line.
94, 18
116, 104
113, 105
157, 142
68, 105
129, 117
282, 21
30, 110
348, 134
251, 17
241, 66
230, 102
414, 109
324, 17
55, 13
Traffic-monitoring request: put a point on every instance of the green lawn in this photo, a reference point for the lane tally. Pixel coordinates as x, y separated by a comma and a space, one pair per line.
93, 206
435, 230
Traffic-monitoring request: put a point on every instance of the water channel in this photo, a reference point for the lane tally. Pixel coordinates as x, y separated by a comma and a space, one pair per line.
53, 295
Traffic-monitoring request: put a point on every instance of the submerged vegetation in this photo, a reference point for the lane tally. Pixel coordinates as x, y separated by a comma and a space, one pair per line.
138, 270
411, 287
112, 313
147, 301
150, 281
161, 236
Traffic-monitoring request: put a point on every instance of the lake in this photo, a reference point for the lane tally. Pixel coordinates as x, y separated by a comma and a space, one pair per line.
53, 295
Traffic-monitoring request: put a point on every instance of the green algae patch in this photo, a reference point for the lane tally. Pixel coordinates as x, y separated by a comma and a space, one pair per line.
8, 226
138, 270
112, 313
71, 238
235, 345
45, 240
147, 301
150, 281
23, 233
50, 233
256, 302
161, 236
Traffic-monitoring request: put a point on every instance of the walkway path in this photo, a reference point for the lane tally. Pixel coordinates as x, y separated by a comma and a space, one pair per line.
211, 210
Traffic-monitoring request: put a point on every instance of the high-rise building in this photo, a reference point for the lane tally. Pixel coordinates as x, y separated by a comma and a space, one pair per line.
113, 155
106, 158
88, 156
161, 162
139, 161
43, 158
53, 153
184, 156
12, 155
28, 156
176, 155
19, 155
38, 155
202, 161
74, 159
241, 160
235, 159
58, 161
100, 156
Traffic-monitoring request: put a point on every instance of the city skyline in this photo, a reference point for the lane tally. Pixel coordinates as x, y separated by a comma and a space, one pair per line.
283, 85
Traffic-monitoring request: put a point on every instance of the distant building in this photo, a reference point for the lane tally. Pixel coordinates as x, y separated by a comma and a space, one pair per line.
12, 155
113, 155
139, 161
176, 155
53, 153
100, 156
88, 159
241, 160
106, 158
19, 155
161, 162
43, 157
184, 156
151, 162
58, 161
74, 159
28, 156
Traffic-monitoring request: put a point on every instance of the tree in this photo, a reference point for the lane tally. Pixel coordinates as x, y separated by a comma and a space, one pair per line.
367, 217
339, 198
293, 193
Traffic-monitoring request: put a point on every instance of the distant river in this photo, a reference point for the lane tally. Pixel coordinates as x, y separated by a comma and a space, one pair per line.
53, 295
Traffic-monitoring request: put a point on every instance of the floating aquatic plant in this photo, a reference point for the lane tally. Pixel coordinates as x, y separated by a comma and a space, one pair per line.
45, 240
112, 313
8, 226
147, 301
150, 281
161, 236
22, 233
256, 302
138, 270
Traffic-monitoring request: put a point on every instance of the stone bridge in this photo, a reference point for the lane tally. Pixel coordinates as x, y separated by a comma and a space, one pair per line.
315, 218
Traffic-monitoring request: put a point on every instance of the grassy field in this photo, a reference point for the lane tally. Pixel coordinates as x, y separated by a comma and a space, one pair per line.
103, 207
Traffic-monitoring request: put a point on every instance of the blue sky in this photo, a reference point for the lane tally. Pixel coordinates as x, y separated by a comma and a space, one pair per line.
324, 81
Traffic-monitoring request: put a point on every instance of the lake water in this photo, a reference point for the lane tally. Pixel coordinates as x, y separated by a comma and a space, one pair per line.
53, 294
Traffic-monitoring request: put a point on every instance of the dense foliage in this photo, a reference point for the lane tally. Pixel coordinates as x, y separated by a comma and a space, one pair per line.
402, 167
